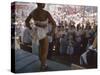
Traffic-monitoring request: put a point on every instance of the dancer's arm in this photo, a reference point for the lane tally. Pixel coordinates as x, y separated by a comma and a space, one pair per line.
53, 23
28, 20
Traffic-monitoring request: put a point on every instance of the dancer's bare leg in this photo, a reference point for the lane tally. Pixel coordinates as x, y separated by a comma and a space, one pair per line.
43, 51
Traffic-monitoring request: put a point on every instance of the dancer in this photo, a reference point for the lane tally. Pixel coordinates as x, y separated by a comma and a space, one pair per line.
41, 19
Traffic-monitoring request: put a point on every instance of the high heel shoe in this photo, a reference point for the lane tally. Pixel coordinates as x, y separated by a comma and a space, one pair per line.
43, 68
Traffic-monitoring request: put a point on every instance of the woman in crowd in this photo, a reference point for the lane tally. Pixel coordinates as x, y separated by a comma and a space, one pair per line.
71, 40
78, 39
